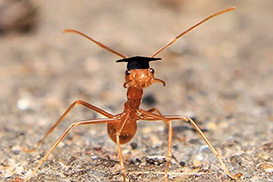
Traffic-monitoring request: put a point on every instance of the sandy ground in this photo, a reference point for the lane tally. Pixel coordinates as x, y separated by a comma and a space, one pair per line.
220, 74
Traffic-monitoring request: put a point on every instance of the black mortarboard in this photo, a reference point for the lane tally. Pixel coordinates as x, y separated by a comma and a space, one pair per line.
138, 62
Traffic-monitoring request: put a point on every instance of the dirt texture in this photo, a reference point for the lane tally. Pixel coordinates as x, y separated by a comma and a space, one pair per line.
221, 75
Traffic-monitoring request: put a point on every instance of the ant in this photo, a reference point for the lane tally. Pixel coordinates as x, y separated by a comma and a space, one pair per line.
122, 127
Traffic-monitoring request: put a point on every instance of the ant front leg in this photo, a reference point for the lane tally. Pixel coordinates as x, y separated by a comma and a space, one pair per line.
149, 116
155, 110
171, 133
83, 122
68, 110
122, 167
118, 133
152, 117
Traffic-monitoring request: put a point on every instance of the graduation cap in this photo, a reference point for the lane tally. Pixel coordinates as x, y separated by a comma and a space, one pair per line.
138, 62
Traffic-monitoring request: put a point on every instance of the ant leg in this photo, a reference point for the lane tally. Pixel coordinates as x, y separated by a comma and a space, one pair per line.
68, 110
153, 117
155, 110
83, 122
169, 152
170, 138
168, 122
214, 151
122, 167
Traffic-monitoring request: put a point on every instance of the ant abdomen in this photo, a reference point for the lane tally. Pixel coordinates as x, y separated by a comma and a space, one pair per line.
127, 133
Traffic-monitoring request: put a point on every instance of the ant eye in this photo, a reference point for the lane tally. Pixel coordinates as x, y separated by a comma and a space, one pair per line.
127, 72
152, 70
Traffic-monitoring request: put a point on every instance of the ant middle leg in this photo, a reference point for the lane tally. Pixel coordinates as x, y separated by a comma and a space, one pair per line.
82, 122
68, 110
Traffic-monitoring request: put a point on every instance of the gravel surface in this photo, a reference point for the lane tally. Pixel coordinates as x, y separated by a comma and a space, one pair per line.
220, 74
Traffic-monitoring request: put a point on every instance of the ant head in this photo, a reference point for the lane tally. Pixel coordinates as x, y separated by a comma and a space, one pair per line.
138, 73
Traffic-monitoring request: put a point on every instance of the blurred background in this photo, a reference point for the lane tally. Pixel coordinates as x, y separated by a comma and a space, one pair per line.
220, 74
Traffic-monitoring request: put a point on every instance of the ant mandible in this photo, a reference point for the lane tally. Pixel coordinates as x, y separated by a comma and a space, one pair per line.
122, 127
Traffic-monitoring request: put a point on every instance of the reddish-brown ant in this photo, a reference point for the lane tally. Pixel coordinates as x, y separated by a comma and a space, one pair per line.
122, 127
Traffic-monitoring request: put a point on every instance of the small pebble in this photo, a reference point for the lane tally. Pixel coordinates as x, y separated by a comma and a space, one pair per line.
138, 160
182, 163
156, 160
212, 126
132, 162
23, 104
133, 145
196, 163
94, 157
16, 150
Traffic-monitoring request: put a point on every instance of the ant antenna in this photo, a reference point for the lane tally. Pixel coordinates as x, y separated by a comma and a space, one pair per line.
96, 42
191, 28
